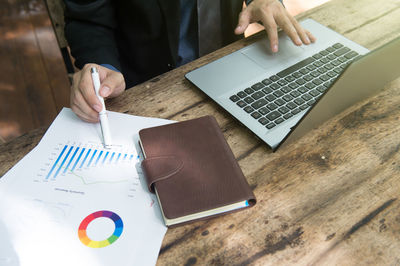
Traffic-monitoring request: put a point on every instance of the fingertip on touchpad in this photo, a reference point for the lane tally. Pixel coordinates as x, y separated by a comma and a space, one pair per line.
261, 54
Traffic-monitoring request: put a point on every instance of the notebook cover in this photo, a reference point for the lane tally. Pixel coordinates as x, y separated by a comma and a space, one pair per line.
192, 167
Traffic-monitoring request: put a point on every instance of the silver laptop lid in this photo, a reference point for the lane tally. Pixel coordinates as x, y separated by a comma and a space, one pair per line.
362, 78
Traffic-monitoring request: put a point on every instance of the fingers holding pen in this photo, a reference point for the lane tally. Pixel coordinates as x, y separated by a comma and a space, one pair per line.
86, 87
84, 101
82, 109
112, 83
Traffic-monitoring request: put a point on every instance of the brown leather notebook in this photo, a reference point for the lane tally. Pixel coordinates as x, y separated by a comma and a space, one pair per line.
191, 168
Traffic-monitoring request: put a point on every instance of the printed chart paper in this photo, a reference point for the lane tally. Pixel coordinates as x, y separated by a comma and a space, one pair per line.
70, 201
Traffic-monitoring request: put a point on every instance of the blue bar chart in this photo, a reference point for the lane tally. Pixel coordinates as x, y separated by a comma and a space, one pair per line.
71, 158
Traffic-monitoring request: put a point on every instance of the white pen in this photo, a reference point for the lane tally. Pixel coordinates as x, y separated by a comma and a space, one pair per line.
105, 128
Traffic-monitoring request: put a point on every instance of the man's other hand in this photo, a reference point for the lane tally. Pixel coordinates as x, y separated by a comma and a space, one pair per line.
273, 14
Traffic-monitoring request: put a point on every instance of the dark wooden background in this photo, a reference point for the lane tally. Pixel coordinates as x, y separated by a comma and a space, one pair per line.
34, 85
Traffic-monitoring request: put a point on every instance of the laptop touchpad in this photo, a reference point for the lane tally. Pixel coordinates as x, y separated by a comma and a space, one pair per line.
261, 54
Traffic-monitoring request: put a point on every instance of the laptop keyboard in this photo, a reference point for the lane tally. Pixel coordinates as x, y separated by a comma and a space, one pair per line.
294, 89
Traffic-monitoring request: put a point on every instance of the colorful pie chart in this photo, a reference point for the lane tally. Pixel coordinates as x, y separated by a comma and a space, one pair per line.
83, 237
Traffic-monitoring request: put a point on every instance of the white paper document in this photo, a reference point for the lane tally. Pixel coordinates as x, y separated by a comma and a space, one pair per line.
70, 201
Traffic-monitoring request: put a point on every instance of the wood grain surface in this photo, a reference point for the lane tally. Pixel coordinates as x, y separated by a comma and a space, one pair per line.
34, 85
331, 198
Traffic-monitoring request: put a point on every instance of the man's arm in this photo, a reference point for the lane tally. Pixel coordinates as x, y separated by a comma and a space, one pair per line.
89, 29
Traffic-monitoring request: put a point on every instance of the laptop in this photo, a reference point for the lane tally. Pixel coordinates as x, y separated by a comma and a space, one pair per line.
282, 96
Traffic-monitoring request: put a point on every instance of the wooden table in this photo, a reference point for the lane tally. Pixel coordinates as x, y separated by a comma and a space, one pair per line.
330, 198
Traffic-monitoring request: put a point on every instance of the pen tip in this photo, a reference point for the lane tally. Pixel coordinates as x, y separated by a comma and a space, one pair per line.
107, 146
93, 70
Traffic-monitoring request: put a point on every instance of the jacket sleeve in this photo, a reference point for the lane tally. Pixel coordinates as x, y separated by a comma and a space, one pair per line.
90, 31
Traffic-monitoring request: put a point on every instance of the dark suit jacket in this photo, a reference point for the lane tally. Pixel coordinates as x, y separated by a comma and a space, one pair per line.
139, 37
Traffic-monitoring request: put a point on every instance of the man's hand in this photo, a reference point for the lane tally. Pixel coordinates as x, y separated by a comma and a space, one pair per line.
272, 14
84, 102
